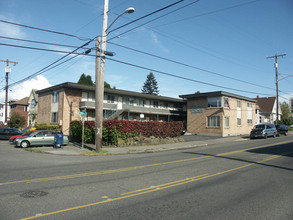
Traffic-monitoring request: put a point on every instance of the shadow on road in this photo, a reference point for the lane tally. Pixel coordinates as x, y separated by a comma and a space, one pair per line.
280, 149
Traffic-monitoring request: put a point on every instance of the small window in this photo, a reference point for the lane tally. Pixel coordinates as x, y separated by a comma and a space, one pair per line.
55, 97
227, 122
239, 121
249, 121
54, 117
156, 104
110, 99
238, 104
214, 121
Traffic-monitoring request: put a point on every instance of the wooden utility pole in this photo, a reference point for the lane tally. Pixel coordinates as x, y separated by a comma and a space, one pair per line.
277, 84
7, 70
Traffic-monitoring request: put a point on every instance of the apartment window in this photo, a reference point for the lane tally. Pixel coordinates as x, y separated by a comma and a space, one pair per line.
249, 113
55, 97
91, 96
214, 121
214, 102
239, 121
166, 105
54, 117
110, 99
227, 122
129, 101
156, 104
238, 104
226, 102
239, 112
141, 102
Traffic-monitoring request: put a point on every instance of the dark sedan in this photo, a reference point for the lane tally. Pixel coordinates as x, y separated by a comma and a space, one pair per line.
7, 133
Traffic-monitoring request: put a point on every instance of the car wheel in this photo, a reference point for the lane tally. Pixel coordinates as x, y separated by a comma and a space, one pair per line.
24, 144
274, 135
266, 136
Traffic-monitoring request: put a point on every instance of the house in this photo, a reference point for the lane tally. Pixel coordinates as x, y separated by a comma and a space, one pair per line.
2, 113
32, 108
266, 112
219, 113
20, 107
62, 104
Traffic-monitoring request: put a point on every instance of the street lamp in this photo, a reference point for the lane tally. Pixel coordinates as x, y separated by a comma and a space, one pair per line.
100, 70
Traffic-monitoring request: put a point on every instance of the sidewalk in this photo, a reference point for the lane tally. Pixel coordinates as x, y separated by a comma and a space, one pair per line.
75, 149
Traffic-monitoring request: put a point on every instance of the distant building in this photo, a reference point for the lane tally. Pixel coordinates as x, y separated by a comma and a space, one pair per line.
21, 107
32, 108
219, 113
267, 110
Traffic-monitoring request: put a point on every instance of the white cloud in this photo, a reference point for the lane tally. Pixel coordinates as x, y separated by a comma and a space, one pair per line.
24, 89
10, 30
158, 43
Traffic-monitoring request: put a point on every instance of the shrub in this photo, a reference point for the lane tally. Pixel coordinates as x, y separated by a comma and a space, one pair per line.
16, 120
115, 129
44, 126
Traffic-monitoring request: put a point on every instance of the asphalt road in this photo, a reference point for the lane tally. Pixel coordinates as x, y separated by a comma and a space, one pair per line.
248, 179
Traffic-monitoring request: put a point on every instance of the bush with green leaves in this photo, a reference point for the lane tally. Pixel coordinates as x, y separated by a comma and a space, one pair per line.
16, 121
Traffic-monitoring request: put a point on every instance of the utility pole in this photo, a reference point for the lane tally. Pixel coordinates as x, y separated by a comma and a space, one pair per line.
277, 83
100, 70
7, 70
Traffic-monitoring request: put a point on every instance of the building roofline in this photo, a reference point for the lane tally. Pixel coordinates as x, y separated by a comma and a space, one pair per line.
71, 85
217, 93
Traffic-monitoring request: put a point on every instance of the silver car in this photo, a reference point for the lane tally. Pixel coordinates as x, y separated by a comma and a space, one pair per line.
263, 131
39, 138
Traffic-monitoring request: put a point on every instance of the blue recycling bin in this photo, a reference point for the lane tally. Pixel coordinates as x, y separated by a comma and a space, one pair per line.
58, 140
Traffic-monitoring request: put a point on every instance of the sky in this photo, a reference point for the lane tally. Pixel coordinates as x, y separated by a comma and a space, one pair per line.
206, 45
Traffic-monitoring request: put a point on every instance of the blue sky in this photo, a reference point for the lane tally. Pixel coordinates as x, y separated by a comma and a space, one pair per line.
215, 40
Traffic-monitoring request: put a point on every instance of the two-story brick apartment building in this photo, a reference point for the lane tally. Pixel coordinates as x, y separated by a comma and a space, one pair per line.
62, 103
219, 113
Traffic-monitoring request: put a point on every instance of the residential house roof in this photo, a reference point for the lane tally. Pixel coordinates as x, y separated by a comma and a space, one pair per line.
108, 90
216, 94
20, 102
266, 104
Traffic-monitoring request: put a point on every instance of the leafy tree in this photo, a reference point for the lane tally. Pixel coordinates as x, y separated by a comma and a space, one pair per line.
86, 80
16, 120
150, 86
107, 85
285, 118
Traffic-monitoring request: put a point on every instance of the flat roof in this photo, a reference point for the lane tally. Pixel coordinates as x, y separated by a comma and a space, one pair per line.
71, 85
216, 94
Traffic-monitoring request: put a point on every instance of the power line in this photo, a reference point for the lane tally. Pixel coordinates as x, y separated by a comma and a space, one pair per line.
187, 65
50, 65
45, 30
159, 10
40, 42
181, 77
152, 20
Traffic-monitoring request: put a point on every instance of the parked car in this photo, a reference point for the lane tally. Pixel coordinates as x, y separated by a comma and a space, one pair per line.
263, 131
39, 138
7, 133
282, 129
12, 139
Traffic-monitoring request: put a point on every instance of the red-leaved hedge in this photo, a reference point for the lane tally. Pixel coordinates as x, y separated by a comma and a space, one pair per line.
124, 129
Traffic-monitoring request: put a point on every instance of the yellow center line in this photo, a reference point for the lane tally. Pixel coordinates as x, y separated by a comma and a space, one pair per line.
132, 168
151, 189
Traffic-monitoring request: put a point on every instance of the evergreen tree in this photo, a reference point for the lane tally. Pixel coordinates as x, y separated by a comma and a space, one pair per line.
106, 85
150, 86
86, 80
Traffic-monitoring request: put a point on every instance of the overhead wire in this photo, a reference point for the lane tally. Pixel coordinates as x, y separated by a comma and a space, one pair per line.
45, 30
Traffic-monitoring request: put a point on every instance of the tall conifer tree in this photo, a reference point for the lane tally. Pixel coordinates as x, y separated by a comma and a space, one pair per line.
150, 86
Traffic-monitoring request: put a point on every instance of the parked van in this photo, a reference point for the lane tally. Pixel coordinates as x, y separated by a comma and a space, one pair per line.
263, 131
7, 133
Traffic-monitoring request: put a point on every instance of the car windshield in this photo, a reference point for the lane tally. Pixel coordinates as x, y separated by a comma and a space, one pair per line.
259, 127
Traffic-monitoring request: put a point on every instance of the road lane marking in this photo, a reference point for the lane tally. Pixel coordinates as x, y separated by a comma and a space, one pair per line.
134, 168
148, 190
